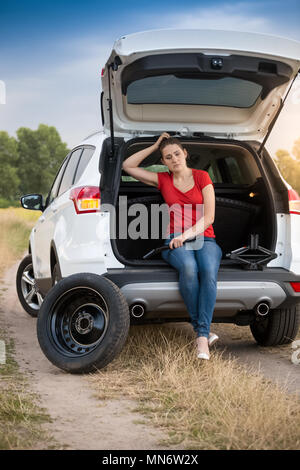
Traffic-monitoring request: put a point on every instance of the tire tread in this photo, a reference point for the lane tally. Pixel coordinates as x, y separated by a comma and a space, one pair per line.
282, 327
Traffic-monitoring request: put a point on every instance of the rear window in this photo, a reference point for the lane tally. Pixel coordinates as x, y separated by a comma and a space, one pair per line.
231, 170
169, 89
83, 163
67, 179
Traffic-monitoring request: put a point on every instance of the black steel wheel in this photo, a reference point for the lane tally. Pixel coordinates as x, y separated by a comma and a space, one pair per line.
28, 294
83, 323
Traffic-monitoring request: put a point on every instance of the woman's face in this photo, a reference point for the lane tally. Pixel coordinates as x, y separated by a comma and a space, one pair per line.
174, 157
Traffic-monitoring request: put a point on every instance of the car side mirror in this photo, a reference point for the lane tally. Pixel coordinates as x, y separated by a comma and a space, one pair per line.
32, 202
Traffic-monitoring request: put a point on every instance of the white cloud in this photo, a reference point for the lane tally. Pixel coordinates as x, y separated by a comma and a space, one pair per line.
238, 16
227, 17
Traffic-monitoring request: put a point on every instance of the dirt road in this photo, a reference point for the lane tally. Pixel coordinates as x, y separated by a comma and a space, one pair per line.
79, 420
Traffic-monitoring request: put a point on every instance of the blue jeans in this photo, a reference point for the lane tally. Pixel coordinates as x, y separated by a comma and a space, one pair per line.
198, 272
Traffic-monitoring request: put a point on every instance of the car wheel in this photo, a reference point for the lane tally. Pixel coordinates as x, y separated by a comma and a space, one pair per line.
29, 297
279, 327
83, 323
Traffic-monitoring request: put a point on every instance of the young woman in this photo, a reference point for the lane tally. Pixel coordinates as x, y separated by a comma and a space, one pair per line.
197, 266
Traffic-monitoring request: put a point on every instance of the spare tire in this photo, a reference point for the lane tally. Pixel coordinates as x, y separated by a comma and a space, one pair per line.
83, 323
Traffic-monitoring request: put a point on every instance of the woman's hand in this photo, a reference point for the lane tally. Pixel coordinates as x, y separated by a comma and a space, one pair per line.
176, 242
164, 135
132, 164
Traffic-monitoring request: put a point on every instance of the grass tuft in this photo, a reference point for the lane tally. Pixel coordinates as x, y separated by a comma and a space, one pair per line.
202, 405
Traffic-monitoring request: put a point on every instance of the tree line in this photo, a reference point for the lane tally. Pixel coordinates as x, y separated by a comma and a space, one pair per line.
29, 162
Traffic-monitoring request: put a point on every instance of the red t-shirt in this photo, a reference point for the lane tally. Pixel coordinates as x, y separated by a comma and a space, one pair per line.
183, 209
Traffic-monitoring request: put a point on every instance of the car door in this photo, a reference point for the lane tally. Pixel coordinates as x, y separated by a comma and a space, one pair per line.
47, 223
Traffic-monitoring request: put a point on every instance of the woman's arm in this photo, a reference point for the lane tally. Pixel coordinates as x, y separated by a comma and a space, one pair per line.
205, 221
131, 164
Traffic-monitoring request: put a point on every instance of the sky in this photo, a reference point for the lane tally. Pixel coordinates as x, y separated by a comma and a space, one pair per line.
52, 54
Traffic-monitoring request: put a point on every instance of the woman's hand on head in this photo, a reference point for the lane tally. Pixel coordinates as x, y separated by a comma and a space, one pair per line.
163, 136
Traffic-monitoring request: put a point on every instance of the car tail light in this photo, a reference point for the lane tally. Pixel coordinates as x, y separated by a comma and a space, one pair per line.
86, 199
294, 201
295, 286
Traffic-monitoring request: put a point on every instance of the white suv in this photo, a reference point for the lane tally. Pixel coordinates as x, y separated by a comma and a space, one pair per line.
221, 93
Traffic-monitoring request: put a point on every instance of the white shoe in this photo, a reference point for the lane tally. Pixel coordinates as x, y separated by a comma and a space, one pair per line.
212, 339
203, 356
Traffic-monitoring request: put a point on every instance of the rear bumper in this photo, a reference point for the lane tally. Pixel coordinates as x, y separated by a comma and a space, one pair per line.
237, 290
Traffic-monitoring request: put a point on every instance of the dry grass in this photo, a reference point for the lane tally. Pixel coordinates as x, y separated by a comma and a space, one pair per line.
20, 416
15, 226
202, 405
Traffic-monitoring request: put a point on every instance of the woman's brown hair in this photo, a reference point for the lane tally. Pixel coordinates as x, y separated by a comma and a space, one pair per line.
170, 141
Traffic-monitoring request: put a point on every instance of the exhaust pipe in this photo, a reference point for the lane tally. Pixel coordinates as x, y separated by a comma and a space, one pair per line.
137, 310
262, 309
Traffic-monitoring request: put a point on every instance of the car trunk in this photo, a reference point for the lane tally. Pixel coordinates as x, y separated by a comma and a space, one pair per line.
217, 91
244, 203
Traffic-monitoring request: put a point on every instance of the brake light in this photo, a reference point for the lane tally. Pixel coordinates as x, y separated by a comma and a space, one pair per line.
86, 199
295, 286
294, 201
